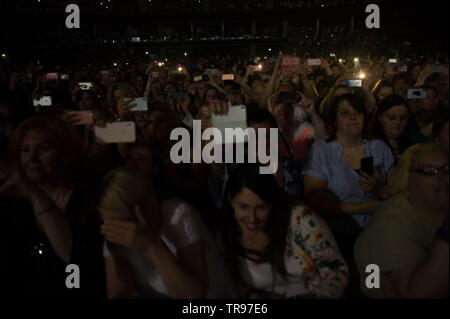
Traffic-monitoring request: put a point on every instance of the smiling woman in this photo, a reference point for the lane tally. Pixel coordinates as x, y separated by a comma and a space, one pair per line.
277, 250
49, 205
43, 155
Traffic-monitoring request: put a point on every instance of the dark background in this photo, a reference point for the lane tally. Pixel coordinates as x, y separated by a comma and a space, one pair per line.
31, 29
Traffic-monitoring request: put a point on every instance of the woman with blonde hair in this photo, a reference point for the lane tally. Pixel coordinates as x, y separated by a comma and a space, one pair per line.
407, 237
153, 248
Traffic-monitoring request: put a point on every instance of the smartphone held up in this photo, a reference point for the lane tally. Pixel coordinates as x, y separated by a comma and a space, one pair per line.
85, 86
367, 165
417, 94
118, 132
235, 118
353, 83
141, 104
43, 101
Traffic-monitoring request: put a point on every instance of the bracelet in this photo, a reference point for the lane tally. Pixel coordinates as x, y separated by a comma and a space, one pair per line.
45, 211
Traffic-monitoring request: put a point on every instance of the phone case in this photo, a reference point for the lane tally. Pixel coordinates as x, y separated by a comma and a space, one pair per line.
415, 94
118, 132
289, 64
52, 76
314, 62
85, 85
142, 104
226, 77
236, 117
44, 101
353, 83
287, 60
367, 165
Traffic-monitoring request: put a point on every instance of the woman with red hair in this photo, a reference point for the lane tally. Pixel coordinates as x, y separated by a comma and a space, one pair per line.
50, 220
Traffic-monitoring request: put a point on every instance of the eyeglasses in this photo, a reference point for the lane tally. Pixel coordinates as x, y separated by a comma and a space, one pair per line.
431, 170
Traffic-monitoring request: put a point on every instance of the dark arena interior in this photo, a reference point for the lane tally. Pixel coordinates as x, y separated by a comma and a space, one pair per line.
280, 150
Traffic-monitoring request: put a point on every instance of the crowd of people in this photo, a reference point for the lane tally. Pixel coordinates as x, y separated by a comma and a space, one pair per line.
362, 179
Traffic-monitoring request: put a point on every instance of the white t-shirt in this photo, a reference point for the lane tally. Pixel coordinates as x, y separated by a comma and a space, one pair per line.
181, 226
260, 276
303, 128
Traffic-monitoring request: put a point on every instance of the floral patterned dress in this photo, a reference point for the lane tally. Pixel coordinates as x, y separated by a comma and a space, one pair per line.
312, 259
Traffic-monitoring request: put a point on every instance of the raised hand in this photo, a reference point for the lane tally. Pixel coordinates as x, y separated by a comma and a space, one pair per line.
216, 107
306, 104
124, 105
370, 184
138, 235
12, 183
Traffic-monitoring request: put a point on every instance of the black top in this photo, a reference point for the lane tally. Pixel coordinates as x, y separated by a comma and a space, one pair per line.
32, 268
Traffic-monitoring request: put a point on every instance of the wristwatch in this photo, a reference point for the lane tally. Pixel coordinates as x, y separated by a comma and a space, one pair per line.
442, 233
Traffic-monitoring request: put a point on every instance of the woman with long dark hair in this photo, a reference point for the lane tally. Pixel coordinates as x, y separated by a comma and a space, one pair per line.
277, 250
391, 122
